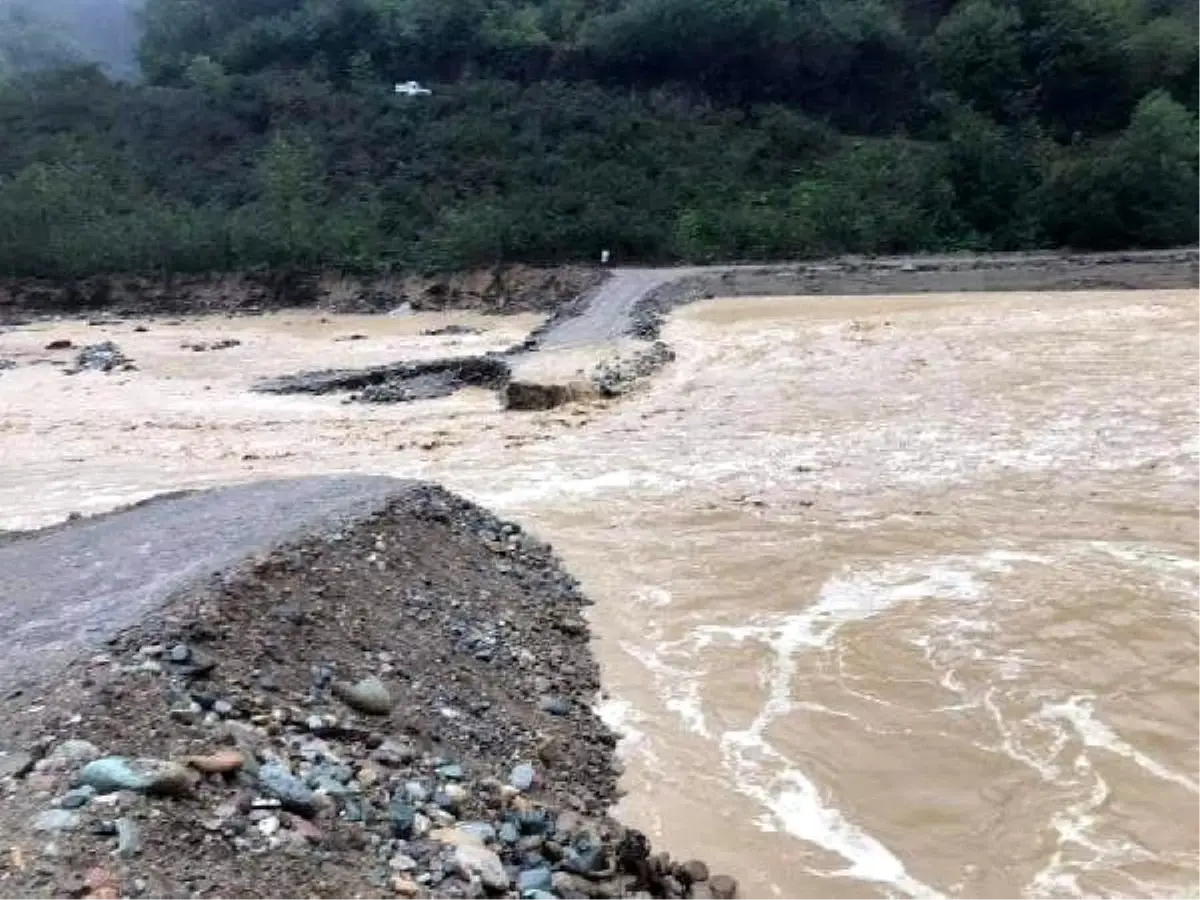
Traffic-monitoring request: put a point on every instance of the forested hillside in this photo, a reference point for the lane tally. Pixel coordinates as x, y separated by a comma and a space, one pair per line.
267, 132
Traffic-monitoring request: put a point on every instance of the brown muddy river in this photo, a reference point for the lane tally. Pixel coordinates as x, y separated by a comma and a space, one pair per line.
895, 596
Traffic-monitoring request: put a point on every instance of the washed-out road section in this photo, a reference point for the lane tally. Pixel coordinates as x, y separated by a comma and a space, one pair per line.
76, 585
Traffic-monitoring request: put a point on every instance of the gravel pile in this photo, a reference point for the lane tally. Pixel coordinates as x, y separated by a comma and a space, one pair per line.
617, 376
103, 357
400, 708
398, 382
203, 346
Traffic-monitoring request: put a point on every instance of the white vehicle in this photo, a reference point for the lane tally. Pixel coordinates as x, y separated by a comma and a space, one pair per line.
412, 89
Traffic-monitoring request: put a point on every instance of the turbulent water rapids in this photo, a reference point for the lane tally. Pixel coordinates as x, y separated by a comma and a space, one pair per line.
895, 596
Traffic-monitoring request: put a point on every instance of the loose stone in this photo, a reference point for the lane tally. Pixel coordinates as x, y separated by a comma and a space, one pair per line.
522, 776
369, 696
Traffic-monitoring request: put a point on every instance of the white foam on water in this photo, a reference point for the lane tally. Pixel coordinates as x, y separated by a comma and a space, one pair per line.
678, 688
1176, 574
623, 718
791, 801
652, 596
536, 486
1075, 826
1080, 712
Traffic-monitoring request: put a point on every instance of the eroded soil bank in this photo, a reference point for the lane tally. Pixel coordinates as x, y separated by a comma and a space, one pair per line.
510, 289
395, 702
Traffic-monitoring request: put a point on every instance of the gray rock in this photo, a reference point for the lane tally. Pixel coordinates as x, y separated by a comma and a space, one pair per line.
277, 781
329, 785
533, 821
723, 887
56, 820
222, 707
554, 705
180, 653
129, 838
15, 763
446, 801
693, 870
187, 714
473, 859
586, 856
509, 833
268, 825
567, 824
522, 776
391, 753
403, 816
416, 792
369, 696
539, 879
452, 771
533, 844
76, 798
74, 751
148, 776
567, 885
422, 825
402, 862
480, 831
103, 357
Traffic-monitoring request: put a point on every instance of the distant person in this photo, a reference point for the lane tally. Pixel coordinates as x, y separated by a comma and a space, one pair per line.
604, 257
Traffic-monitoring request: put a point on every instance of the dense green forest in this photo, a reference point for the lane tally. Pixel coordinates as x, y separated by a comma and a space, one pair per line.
268, 132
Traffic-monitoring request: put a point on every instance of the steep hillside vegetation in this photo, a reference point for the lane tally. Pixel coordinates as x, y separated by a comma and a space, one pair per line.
267, 132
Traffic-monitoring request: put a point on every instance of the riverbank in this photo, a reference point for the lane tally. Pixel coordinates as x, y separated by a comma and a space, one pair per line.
397, 702
502, 290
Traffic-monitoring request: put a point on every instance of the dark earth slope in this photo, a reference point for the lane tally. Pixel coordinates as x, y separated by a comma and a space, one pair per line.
337, 687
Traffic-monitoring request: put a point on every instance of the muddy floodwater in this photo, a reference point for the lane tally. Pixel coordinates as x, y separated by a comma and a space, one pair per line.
895, 596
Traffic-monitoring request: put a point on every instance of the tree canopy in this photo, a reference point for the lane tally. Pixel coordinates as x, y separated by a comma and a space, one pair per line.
266, 132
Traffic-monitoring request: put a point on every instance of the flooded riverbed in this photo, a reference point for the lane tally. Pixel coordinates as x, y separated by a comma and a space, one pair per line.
895, 596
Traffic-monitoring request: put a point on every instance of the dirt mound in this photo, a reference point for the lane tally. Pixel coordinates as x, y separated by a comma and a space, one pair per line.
395, 704
397, 382
529, 395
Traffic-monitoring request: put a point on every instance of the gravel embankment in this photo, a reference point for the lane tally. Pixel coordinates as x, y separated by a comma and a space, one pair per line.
393, 698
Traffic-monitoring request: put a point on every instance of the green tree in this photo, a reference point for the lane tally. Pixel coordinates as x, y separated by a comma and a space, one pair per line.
1138, 189
292, 176
879, 197
1079, 55
976, 52
996, 174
